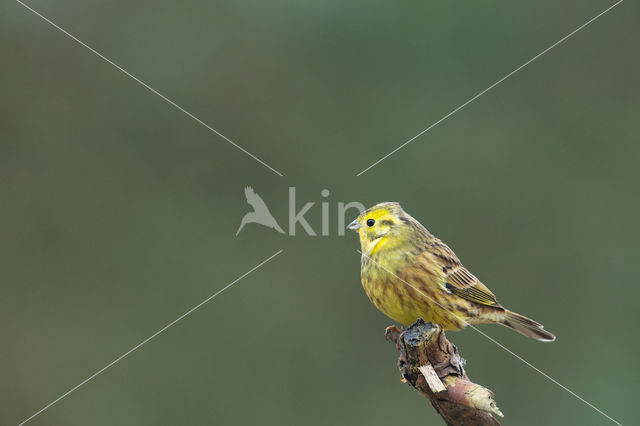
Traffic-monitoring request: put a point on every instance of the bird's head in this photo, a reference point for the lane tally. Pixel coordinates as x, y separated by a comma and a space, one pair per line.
383, 227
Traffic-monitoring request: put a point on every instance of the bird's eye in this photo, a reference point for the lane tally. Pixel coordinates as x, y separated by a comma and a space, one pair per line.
370, 223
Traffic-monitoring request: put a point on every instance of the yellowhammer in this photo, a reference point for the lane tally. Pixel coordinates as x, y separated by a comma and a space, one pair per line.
409, 274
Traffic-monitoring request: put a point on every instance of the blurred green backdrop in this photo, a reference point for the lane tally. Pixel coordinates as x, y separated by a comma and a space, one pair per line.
118, 212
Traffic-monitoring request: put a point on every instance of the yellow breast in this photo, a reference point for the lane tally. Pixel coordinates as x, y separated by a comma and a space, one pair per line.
405, 296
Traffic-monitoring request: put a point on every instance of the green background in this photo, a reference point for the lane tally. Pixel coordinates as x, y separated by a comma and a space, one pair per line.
118, 213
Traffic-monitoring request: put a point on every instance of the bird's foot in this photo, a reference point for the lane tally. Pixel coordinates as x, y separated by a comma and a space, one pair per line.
392, 333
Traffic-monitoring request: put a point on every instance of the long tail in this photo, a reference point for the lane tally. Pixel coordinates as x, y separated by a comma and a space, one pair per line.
527, 327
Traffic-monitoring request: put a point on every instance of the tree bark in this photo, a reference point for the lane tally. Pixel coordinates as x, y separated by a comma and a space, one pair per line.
432, 365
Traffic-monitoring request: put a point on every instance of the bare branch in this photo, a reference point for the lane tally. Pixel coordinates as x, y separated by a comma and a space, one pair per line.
431, 364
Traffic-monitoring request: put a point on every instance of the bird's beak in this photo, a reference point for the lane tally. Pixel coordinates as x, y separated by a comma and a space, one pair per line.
354, 226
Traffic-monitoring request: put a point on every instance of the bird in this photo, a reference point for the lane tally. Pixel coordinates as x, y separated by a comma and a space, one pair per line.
260, 213
408, 273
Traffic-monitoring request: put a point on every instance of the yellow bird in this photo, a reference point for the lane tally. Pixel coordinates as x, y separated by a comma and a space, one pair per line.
408, 274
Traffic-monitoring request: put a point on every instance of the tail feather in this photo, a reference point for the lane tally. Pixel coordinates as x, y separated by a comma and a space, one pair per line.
527, 327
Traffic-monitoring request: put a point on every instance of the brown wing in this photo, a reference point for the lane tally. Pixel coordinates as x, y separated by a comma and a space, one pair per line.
461, 282
457, 279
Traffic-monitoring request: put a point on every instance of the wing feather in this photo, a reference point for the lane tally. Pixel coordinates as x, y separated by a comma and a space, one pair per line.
457, 279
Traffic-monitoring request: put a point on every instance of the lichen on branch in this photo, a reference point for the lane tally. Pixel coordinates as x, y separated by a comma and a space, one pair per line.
430, 363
